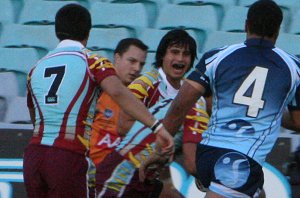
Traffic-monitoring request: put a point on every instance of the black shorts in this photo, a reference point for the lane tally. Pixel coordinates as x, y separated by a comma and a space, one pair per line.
228, 172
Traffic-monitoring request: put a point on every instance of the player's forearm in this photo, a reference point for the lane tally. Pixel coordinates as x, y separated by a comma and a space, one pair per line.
127, 101
180, 106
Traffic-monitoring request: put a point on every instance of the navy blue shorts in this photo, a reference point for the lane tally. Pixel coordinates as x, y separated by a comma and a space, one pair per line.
228, 172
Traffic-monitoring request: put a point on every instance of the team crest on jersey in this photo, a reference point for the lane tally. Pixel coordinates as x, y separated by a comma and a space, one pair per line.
108, 113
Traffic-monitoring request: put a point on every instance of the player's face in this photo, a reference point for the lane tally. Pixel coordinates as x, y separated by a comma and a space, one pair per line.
176, 62
130, 64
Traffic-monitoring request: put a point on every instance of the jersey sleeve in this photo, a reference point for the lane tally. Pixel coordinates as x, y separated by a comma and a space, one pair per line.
100, 67
195, 123
145, 88
199, 74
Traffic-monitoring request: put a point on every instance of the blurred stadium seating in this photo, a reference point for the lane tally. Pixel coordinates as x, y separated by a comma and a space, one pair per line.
27, 34
27, 31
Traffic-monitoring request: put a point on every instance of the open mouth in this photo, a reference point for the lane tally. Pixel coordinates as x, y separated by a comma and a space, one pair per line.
178, 66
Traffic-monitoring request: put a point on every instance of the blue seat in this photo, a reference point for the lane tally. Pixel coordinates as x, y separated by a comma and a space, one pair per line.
19, 61
189, 17
151, 37
7, 14
234, 19
36, 12
295, 23
40, 37
131, 16
149, 62
106, 38
152, 8
289, 43
218, 39
219, 5
17, 111
8, 90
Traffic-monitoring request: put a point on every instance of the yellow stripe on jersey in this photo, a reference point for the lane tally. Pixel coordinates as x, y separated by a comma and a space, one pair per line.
198, 118
199, 130
147, 81
84, 141
104, 63
201, 111
149, 148
154, 74
134, 160
138, 96
138, 87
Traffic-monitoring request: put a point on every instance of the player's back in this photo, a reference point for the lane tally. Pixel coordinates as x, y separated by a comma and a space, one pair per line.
62, 93
252, 83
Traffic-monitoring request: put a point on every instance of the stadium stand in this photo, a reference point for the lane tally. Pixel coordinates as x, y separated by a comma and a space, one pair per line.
16, 113
220, 38
40, 37
239, 14
151, 37
151, 6
210, 22
195, 19
190, 17
149, 62
19, 61
131, 16
39, 12
219, 5
7, 14
295, 23
106, 38
289, 43
8, 90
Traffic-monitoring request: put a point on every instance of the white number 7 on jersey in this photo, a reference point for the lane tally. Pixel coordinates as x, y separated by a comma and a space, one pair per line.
254, 102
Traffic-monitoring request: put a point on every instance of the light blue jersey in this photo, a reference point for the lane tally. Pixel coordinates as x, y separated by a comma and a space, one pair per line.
61, 90
248, 102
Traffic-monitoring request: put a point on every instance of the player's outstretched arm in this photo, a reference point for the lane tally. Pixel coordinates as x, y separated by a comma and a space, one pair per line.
135, 108
188, 94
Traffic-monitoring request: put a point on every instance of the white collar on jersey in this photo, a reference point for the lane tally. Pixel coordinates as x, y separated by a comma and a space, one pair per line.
171, 91
69, 43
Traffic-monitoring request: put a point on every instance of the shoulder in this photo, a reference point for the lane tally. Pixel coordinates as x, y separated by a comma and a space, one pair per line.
97, 61
146, 81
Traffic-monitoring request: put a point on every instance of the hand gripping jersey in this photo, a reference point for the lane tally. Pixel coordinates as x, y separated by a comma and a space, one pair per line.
61, 89
252, 83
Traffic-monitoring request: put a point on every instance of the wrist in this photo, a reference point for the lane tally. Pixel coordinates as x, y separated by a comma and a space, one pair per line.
157, 125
